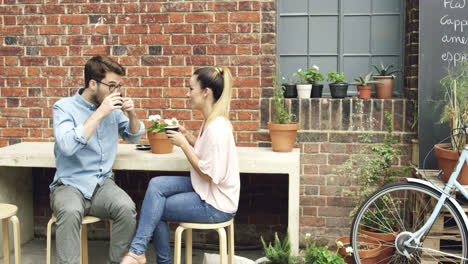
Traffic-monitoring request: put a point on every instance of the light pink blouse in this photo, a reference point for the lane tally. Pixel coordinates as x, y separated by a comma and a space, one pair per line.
216, 149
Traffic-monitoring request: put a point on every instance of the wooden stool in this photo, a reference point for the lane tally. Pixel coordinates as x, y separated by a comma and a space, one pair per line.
188, 240
83, 236
8, 212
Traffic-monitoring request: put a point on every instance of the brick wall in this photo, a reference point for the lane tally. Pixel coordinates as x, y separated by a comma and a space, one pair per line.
44, 48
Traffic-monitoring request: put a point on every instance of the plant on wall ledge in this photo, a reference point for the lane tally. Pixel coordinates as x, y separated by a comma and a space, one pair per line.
338, 86
282, 130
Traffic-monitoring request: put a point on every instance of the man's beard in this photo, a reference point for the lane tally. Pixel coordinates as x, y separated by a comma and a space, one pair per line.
95, 100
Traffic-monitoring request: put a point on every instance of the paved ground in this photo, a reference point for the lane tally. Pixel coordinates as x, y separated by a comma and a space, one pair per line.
34, 252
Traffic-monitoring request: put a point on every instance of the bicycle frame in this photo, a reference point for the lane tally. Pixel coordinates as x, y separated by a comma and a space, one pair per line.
445, 194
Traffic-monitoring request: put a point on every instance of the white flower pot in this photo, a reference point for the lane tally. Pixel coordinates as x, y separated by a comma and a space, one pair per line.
303, 90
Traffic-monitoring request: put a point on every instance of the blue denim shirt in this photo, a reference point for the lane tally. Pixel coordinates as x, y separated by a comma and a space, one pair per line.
82, 163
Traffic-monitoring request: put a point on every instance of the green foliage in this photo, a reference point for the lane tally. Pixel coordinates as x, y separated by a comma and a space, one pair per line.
375, 170
335, 77
385, 70
320, 255
280, 253
302, 76
454, 103
313, 75
280, 110
157, 126
364, 81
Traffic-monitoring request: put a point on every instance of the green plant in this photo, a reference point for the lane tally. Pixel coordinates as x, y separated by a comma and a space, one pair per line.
289, 80
385, 70
313, 75
280, 253
454, 103
314, 254
364, 81
280, 110
336, 77
374, 169
302, 76
158, 124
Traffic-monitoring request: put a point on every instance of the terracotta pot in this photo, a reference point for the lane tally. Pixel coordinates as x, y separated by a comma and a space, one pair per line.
283, 136
159, 142
447, 159
368, 256
364, 91
387, 240
384, 90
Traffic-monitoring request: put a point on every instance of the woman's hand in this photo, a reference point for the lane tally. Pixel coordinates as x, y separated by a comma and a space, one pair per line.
177, 138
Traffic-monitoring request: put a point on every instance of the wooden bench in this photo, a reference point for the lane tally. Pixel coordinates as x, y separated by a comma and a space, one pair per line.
17, 160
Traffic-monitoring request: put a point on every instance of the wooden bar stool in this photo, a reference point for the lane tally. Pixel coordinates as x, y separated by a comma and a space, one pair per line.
83, 236
223, 246
8, 212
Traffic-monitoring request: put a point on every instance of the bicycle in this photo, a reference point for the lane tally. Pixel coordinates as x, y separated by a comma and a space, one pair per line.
428, 225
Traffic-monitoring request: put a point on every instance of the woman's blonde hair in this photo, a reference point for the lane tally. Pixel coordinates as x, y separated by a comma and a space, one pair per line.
219, 80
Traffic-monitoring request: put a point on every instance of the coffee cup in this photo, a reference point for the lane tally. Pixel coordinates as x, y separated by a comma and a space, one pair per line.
173, 128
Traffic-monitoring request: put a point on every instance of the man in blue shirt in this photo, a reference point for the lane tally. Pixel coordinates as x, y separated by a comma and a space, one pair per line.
86, 130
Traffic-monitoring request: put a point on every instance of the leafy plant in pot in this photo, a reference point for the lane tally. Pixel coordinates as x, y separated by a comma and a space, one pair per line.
385, 75
282, 130
454, 106
362, 83
159, 142
303, 87
290, 90
313, 76
338, 86
280, 253
373, 170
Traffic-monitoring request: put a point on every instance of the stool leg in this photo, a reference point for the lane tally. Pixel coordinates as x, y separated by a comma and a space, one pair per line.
49, 238
6, 241
188, 246
178, 244
231, 243
17, 239
222, 245
84, 244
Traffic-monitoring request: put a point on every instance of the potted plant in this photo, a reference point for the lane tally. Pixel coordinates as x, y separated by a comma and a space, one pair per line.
313, 76
314, 254
385, 75
373, 170
363, 86
158, 140
303, 87
338, 86
369, 254
280, 253
282, 130
454, 111
290, 90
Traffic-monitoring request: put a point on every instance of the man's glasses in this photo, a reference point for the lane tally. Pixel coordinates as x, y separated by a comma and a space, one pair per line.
112, 87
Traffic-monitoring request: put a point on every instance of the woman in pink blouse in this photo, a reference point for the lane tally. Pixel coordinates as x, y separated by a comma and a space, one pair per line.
211, 193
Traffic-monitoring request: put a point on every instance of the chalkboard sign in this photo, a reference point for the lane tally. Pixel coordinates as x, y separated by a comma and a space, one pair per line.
443, 43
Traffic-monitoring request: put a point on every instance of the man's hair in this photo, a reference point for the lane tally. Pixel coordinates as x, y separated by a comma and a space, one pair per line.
97, 67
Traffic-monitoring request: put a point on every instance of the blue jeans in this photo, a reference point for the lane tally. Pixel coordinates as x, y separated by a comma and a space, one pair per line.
170, 198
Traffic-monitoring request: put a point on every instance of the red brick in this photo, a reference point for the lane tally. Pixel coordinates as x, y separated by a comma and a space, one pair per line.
155, 29
52, 9
198, 18
14, 71
177, 71
35, 123
136, 29
199, 60
245, 17
130, 61
35, 133
155, 71
244, 104
244, 38
154, 82
35, 112
49, 51
175, 92
99, 50
140, 71
14, 132
200, 39
74, 19
55, 92
313, 159
33, 61
33, 82
154, 103
30, 20
128, 19
11, 51
178, 39
11, 61
52, 30
155, 39
178, 103
171, 50
245, 125
177, 28
221, 49
34, 102
14, 91
179, 114
221, 28
153, 7
14, 112
176, 18
154, 18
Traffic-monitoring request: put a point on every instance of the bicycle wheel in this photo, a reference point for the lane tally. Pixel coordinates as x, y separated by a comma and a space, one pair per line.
400, 209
